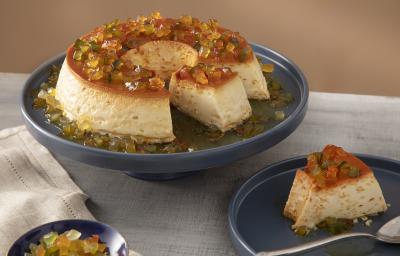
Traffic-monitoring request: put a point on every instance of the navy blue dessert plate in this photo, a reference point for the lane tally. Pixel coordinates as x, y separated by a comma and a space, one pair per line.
168, 166
111, 237
256, 220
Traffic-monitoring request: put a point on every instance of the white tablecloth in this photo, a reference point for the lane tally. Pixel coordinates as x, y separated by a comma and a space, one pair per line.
189, 216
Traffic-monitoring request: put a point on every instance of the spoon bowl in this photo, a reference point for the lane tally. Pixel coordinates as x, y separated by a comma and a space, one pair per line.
388, 233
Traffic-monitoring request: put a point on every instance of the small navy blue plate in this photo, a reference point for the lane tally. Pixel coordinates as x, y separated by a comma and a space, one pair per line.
257, 224
111, 237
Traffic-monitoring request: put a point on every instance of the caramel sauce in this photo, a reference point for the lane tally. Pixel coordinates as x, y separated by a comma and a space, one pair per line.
334, 166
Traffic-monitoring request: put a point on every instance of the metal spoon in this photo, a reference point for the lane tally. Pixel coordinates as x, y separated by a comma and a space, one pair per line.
388, 233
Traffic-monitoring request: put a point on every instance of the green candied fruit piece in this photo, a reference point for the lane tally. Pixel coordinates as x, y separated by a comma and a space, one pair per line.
77, 55
235, 41
243, 55
267, 68
52, 250
54, 117
149, 29
354, 172
316, 171
324, 165
335, 226
186, 19
32, 247
90, 247
117, 33
98, 140
130, 147
116, 64
94, 47
287, 97
302, 231
214, 134
39, 103
250, 129
274, 85
318, 157
79, 43
44, 86
50, 238
279, 115
73, 234
150, 148
112, 25
204, 51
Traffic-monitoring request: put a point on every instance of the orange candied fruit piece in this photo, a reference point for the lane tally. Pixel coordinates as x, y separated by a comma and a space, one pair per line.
200, 76
331, 173
40, 251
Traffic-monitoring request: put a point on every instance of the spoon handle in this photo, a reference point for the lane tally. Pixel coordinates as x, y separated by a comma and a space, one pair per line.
312, 245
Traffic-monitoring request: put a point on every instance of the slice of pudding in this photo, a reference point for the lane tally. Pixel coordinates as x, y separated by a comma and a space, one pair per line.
140, 108
213, 96
252, 77
334, 184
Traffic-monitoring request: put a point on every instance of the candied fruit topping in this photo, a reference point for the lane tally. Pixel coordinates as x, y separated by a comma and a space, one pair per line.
94, 54
205, 74
332, 165
68, 243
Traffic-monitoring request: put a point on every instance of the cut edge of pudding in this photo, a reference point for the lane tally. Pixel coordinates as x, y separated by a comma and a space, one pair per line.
253, 79
221, 103
117, 111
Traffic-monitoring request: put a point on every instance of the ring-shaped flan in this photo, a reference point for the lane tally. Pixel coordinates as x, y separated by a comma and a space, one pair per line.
113, 78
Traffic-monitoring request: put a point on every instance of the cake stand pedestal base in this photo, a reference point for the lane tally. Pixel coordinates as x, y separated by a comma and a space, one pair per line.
160, 176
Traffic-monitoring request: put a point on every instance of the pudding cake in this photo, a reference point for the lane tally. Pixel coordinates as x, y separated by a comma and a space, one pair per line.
334, 184
117, 109
113, 78
213, 96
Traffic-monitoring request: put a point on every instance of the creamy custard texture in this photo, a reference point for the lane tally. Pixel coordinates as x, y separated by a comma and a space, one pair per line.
214, 96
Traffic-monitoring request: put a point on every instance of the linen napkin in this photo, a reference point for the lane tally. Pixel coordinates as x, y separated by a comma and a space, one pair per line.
34, 188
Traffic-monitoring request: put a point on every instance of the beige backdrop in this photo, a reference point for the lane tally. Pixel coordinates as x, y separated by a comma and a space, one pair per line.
342, 46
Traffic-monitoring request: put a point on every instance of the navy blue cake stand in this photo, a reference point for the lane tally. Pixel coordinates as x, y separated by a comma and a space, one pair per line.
176, 165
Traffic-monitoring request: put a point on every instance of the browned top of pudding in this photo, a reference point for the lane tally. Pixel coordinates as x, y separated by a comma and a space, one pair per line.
142, 82
334, 166
96, 56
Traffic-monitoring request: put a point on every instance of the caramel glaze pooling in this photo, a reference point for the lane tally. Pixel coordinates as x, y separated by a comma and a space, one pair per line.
335, 167
96, 56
